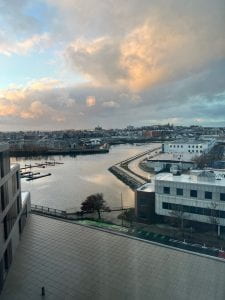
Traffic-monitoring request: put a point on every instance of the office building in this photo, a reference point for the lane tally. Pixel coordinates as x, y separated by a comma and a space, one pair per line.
200, 196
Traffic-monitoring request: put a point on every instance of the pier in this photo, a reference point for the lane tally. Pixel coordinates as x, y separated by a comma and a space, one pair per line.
37, 177
29, 175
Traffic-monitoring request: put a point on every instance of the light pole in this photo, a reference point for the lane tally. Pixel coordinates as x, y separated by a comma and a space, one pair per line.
121, 198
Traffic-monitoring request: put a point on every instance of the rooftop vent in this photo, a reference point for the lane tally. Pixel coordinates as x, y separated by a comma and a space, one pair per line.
207, 176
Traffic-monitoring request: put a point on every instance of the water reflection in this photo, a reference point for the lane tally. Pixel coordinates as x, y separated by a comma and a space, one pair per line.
80, 176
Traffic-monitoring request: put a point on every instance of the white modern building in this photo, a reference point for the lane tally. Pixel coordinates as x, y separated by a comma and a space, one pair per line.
200, 196
194, 147
14, 208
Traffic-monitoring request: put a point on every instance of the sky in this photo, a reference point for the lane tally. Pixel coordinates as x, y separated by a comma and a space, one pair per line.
76, 64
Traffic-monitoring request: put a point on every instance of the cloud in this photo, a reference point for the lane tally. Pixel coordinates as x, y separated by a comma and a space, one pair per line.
8, 47
142, 60
31, 102
155, 51
90, 101
97, 60
110, 104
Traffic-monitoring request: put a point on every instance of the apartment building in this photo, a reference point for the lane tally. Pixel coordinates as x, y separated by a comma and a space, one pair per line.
14, 208
200, 196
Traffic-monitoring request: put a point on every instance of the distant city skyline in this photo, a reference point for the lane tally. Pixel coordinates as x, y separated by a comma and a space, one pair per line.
82, 63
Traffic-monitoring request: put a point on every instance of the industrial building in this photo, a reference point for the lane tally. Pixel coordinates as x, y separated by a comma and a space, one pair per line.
14, 208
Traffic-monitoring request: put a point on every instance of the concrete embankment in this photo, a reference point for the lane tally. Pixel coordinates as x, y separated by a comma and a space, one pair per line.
122, 172
125, 177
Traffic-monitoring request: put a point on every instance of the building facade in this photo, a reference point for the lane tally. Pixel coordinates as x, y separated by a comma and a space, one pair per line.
145, 203
200, 196
14, 209
194, 147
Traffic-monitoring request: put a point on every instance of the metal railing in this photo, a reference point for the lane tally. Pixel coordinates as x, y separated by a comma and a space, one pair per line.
73, 215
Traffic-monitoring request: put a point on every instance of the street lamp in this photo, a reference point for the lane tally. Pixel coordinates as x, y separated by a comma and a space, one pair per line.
121, 198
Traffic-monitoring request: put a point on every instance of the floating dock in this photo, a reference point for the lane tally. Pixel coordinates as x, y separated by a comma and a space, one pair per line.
37, 177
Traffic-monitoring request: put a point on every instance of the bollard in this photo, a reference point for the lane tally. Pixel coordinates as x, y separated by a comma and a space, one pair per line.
43, 291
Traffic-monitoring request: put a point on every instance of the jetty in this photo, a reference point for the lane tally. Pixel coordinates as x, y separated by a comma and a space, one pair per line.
122, 171
28, 174
37, 177
41, 165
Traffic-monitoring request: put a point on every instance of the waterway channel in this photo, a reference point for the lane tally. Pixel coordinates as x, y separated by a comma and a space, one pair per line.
80, 176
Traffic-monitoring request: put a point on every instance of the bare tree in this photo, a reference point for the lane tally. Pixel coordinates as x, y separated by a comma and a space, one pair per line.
214, 218
94, 203
179, 214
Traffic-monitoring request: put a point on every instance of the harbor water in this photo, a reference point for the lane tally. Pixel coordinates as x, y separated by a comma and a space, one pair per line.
80, 176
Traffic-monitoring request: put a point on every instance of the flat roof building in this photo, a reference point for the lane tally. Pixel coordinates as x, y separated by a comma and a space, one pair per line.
199, 195
193, 147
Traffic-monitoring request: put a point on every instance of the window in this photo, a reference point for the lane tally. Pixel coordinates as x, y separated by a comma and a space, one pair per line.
222, 196
193, 146
166, 190
179, 192
193, 193
181, 146
208, 195
165, 205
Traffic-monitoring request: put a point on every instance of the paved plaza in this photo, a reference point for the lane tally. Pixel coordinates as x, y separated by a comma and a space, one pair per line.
77, 262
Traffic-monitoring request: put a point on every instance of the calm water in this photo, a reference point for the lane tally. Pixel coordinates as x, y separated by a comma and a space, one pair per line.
80, 176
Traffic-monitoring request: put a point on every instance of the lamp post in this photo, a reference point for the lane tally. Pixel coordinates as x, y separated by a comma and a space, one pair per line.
121, 198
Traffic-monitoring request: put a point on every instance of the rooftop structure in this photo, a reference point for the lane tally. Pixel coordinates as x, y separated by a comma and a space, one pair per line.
206, 177
77, 262
164, 161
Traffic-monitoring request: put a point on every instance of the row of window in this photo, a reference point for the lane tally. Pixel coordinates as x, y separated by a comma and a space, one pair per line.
181, 146
192, 151
193, 193
194, 210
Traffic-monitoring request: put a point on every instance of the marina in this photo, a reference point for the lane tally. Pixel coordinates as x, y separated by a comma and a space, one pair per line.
75, 178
